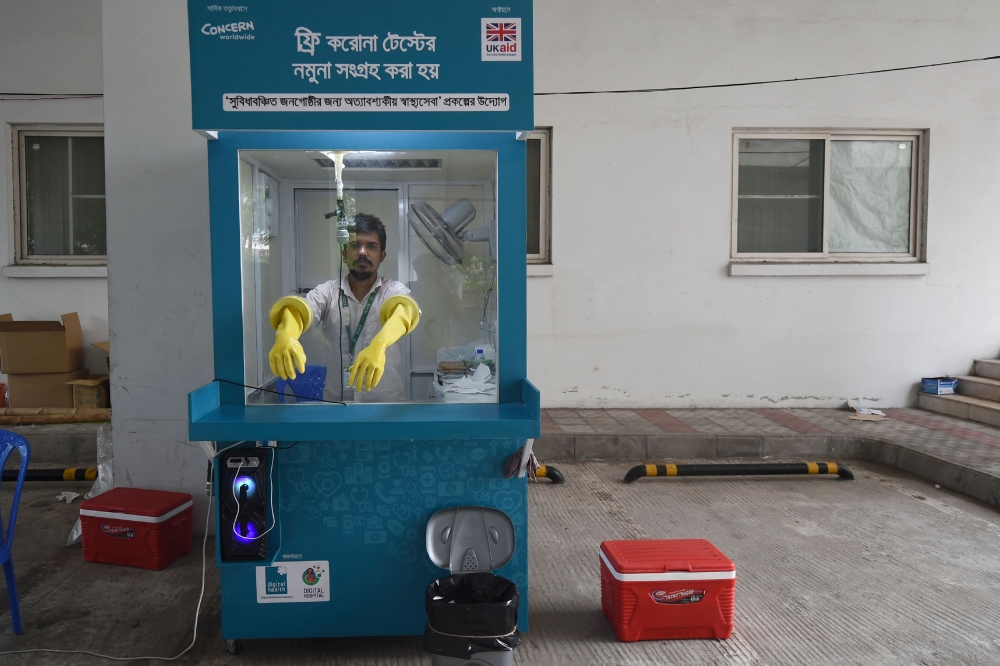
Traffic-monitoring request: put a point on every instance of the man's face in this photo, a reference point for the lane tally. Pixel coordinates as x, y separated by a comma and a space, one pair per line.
363, 255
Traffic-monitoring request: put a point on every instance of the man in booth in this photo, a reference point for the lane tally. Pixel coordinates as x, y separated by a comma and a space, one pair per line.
364, 314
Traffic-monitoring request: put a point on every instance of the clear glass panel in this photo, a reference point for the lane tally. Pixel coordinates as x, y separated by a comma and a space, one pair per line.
89, 226
780, 195
437, 212
870, 196
46, 165
534, 149
88, 164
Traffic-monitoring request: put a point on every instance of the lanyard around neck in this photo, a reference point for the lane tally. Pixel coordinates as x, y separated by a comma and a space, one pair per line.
353, 339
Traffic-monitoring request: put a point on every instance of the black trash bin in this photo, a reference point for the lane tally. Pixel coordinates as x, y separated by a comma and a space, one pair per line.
471, 614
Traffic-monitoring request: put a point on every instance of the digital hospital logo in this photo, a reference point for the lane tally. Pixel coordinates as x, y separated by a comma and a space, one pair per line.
312, 575
677, 597
501, 39
118, 531
238, 30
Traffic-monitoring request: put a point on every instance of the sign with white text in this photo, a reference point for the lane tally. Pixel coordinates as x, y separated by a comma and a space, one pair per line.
376, 65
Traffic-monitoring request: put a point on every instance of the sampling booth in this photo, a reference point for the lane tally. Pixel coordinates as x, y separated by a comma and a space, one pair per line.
320, 114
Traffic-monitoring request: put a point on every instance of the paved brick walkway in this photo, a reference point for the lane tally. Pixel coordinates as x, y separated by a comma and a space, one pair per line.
958, 454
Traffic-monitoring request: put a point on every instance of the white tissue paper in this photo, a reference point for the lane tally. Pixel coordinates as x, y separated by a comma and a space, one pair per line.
479, 382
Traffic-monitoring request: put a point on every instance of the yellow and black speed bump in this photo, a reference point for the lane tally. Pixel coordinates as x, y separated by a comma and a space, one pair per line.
551, 473
68, 474
739, 469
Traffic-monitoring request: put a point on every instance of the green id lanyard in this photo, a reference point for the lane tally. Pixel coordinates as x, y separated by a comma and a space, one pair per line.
346, 316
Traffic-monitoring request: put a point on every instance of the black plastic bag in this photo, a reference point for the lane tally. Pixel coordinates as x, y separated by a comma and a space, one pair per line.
465, 647
471, 613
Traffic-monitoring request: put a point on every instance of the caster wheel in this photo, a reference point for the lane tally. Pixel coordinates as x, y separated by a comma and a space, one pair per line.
234, 645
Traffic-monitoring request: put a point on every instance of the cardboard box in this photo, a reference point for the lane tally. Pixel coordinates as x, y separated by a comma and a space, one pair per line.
938, 385
106, 347
43, 390
90, 392
37, 347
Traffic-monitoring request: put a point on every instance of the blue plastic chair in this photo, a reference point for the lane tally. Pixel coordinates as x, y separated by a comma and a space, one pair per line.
306, 387
8, 442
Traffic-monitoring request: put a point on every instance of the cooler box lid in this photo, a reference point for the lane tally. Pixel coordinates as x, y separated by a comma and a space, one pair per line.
660, 556
136, 502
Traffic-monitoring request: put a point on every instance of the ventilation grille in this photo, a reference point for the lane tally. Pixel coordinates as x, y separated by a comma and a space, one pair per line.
470, 562
383, 164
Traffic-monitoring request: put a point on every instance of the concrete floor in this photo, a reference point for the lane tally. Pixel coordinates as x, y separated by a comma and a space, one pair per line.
885, 570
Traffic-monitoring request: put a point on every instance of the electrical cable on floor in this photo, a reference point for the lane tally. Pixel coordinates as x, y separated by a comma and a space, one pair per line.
760, 83
197, 610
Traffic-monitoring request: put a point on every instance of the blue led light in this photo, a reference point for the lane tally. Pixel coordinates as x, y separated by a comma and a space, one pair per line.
250, 484
249, 536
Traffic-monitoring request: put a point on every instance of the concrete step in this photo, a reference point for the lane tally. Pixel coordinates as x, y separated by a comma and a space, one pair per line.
962, 406
979, 387
988, 367
67, 444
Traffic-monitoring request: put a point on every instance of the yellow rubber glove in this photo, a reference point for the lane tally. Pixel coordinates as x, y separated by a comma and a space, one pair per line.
399, 316
290, 317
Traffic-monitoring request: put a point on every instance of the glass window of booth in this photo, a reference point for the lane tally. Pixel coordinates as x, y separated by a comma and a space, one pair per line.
346, 239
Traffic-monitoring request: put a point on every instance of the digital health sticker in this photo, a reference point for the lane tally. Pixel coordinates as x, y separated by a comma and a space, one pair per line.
293, 582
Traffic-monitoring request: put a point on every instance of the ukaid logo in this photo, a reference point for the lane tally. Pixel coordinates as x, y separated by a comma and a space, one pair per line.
677, 597
502, 39
293, 582
118, 531
229, 30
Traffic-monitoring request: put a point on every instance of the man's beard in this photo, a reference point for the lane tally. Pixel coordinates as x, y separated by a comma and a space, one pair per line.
363, 272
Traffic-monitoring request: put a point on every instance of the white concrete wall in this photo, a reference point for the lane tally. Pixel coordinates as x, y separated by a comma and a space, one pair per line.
640, 310
158, 246
51, 47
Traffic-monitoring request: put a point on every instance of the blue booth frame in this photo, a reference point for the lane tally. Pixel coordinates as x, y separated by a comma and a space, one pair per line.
393, 465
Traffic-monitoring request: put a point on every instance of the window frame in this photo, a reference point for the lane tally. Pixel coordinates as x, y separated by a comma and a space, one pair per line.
544, 256
19, 184
916, 252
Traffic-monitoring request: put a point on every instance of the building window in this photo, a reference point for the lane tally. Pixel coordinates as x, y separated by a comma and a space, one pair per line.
539, 146
828, 196
61, 204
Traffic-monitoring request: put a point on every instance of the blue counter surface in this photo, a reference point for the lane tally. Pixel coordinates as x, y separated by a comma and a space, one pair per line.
211, 421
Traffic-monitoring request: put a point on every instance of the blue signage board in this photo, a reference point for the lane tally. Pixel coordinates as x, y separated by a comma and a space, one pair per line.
373, 65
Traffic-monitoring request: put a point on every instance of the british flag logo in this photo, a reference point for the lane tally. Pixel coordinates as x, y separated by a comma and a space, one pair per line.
501, 39
501, 32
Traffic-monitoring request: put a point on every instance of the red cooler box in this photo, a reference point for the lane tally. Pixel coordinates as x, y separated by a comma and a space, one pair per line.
668, 588
136, 527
